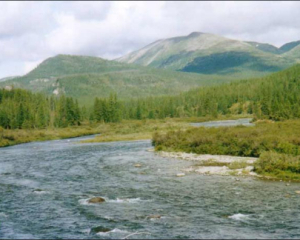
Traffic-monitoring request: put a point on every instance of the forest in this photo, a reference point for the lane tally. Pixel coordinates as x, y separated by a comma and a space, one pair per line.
275, 97
21, 109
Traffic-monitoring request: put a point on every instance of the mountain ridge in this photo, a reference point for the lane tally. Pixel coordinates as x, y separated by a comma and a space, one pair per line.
177, 52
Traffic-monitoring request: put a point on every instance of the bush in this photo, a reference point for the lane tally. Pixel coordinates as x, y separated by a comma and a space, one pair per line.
238, 164
272, 162
1, 132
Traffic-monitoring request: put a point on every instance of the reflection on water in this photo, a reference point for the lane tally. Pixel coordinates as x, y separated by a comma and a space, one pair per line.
225, 123
45, 186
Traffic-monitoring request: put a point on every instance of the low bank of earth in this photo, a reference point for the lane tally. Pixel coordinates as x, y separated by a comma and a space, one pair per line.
207, 164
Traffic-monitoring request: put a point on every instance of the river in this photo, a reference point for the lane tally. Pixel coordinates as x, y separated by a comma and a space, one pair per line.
225, 123
44, 187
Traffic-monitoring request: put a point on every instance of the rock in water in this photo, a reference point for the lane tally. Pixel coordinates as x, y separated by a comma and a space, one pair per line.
37, 190
154, 216
180, 174
298, 192
137, 165
96, 200
100, 229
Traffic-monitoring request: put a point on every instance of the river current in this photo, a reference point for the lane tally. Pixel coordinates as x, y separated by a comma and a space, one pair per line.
44, 188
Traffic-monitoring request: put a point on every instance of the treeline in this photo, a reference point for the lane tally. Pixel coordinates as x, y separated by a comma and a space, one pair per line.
273, 97
21, 109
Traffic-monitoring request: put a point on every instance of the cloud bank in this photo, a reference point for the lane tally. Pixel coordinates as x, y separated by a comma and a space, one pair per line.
33, 31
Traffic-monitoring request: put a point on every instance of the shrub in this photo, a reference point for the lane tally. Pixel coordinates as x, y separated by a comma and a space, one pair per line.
1, 132
238, 164
272, 162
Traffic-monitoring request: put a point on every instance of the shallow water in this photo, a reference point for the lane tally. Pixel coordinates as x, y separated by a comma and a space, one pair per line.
44, 188
225, 123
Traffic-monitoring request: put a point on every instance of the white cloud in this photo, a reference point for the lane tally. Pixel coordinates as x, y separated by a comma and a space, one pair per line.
33, 31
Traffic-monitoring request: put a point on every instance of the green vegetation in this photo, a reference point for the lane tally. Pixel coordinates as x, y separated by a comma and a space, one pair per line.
282, 137
211, 163
137, 129
273, 142
228, 61
21, 109
278, 165
238, 164
266, 47
294, 53
289, 46
273, 97
145, 128
10, 137
63, 65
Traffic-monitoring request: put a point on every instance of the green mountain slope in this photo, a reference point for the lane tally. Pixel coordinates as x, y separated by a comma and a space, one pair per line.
88, 77
294, 53
265, 47
208, 53
7, 78
289, 46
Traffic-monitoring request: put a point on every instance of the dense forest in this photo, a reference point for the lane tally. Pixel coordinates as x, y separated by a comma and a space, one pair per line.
21, 109
273, 97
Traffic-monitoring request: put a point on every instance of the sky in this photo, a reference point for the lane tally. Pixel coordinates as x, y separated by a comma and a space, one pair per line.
30, 32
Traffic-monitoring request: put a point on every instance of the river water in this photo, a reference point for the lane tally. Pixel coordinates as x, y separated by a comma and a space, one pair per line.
225, 123
44, 187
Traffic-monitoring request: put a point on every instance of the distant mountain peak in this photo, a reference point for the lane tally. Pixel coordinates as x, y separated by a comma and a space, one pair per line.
196, 34
289, 46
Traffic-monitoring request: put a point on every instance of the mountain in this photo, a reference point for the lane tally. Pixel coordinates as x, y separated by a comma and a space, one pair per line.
289, 46
294, 53
85, 78
211, 54
7, 78
265, 47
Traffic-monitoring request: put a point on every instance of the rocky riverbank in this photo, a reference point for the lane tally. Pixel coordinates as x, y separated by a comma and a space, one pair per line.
207, 164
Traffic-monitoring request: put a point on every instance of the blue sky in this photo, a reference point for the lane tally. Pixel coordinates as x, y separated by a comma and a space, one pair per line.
33, 31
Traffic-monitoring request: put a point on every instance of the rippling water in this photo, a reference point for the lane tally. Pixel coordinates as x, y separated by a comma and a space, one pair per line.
44, 187
225, 123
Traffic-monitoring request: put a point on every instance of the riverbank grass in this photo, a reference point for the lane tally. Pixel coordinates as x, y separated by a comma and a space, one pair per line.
18, 136
144, 129
276, 144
